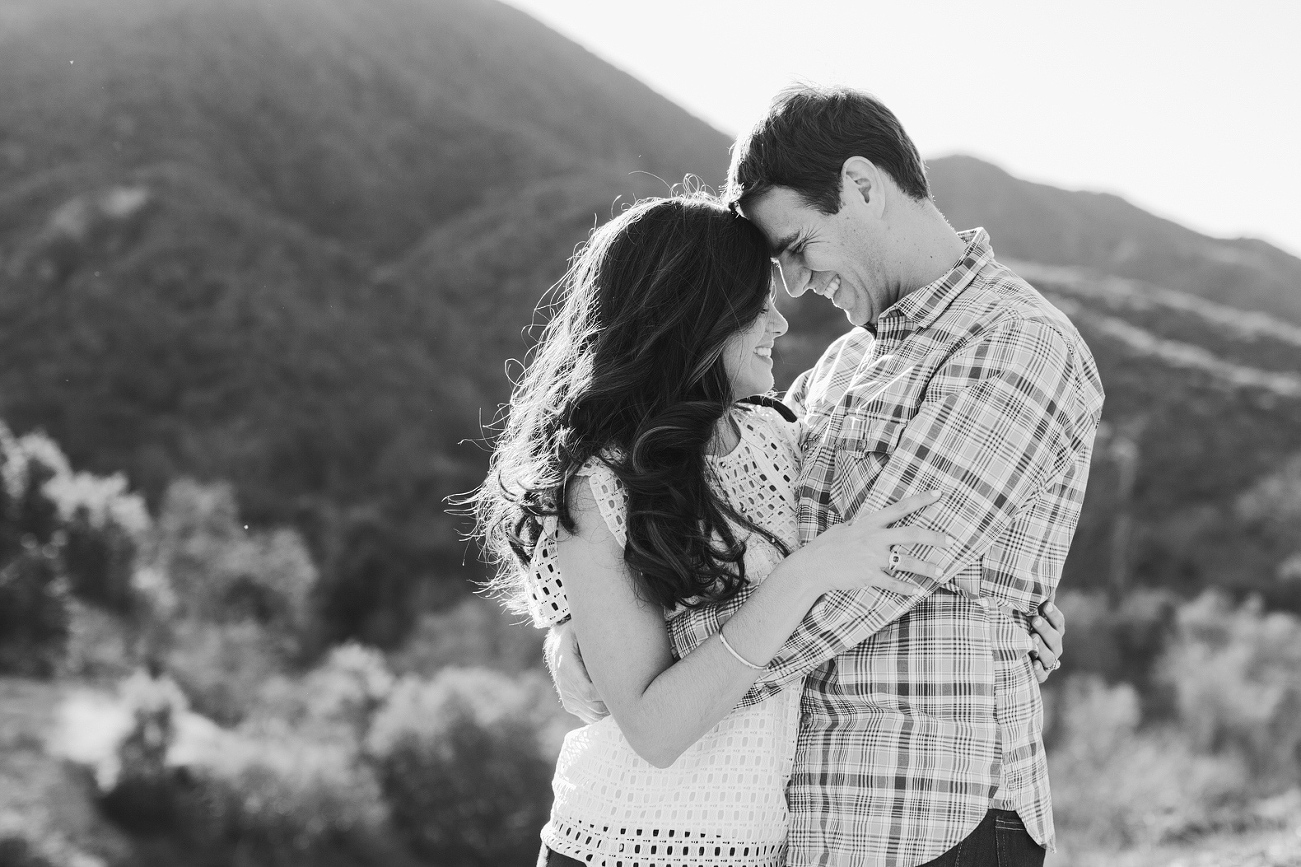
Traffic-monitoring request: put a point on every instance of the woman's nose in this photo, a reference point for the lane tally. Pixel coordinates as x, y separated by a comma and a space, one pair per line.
778, 323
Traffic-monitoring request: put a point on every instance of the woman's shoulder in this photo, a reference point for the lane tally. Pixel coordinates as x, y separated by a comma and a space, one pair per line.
775, 424
600, 491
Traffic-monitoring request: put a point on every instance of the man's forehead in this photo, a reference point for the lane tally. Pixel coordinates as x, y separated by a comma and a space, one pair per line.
780, 214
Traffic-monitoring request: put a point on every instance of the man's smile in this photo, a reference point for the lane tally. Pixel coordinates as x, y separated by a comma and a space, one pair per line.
828, 289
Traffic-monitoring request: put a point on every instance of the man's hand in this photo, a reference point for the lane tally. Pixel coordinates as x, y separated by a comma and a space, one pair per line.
578, 694
1049, 630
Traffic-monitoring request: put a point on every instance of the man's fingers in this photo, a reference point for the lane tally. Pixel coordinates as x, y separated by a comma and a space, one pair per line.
588, 713
1040, 673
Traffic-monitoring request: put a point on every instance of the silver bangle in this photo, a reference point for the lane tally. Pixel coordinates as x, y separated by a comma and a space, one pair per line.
739, 658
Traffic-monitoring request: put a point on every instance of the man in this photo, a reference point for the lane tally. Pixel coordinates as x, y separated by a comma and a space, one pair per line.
921, 727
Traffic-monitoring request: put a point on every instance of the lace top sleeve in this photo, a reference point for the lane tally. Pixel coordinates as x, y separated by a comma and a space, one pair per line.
547, 603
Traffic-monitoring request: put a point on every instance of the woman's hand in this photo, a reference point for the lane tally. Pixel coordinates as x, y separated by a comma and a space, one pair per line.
1049, 633
861, 552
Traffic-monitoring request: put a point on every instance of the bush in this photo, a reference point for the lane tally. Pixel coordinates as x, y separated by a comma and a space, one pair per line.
255, 795
100, 644
1117, 786
223, 667
1236, 673
336, 700
103, 525
475, 632
465, 761
61, 533
221, 572
33, 589
34, 616
1120, 643
282, 800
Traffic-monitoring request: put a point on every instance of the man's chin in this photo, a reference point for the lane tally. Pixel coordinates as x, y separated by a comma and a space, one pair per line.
860, 318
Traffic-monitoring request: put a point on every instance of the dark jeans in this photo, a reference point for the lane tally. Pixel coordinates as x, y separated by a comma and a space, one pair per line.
1000, 840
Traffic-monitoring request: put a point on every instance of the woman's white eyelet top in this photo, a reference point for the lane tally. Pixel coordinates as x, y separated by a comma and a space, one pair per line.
723, 801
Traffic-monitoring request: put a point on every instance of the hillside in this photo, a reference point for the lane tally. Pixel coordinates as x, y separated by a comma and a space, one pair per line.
1040, 223
268, 241
293, 244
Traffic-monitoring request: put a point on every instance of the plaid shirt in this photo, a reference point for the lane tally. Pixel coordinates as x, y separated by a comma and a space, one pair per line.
917, 711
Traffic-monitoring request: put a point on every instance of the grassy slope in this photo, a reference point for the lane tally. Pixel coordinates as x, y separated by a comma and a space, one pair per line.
346, 203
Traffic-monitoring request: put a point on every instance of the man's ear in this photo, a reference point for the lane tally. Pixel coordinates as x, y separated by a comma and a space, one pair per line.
863, 183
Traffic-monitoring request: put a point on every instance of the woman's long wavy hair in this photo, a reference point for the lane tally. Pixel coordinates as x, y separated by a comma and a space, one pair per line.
629, 370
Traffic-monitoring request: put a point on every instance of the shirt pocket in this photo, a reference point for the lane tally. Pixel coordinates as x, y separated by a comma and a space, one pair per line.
862, 448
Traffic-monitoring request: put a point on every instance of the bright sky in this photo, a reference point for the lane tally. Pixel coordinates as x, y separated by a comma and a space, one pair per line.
1188, 108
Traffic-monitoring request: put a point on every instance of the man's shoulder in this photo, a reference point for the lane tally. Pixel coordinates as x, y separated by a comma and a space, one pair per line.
1002, 301
1004, 308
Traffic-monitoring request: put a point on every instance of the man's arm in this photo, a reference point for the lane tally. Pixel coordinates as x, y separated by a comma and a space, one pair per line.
991, 434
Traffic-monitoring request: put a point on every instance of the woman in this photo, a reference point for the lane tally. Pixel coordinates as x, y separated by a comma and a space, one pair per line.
630, 483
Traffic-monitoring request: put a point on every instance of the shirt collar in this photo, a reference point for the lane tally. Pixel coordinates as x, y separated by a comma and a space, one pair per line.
918, 309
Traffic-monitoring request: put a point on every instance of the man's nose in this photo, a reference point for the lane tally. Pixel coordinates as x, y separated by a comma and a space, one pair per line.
794, 277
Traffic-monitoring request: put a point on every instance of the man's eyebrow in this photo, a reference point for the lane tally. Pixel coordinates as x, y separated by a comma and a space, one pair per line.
782, 244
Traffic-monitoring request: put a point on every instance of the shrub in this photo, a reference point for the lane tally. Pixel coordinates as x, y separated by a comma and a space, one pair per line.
103, 525
223, 667
335, 700
33, 589
1116, 785
463, 766
219, 571
281, 800
474, 632
1120, 643
255, 795
1236, 673
100, 644
34, 617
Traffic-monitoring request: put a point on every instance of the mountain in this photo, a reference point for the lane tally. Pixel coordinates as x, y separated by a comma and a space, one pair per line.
290, 242
294, 243
1103, 232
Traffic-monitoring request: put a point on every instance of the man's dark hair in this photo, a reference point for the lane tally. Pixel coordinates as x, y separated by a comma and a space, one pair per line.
806, 136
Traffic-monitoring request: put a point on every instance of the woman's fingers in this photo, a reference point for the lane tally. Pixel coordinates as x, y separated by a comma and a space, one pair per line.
1044, 654
1049, 636
898, 511
1054, 616
917, 567
914, 536
883, 581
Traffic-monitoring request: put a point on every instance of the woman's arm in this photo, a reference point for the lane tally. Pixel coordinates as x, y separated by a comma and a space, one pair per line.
663, 707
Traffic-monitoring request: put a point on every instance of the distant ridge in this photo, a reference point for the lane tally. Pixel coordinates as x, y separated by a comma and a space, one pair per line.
293, 243
1040, 223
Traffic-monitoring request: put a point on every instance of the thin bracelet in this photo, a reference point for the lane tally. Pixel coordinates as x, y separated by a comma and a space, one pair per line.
739, 658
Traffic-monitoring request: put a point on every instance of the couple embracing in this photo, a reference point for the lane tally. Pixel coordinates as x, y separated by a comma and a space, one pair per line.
818, 625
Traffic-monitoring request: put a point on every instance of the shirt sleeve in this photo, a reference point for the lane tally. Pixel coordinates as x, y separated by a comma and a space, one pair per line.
689, 629
990, 434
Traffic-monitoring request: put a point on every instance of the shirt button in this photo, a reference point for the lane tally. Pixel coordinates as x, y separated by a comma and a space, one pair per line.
983, 602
